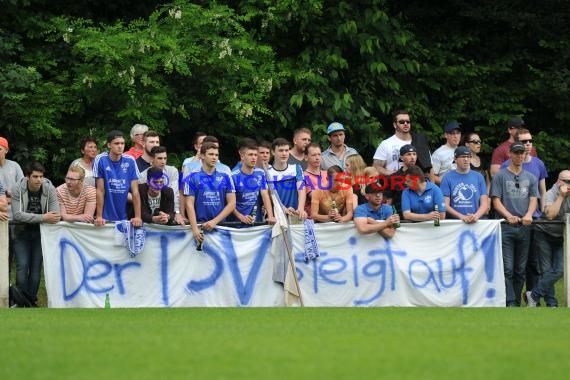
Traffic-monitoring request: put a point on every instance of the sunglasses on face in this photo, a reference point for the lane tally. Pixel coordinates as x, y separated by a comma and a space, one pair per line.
402, 122
526, 141
566, 181
477, 142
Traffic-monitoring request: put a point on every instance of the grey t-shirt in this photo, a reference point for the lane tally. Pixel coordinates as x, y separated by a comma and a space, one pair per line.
550, 198
515, 190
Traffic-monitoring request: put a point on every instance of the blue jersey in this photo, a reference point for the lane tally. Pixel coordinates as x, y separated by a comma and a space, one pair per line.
366, 211
209, 192
464, 190
248, 187
285, 183
424, 203
117, 176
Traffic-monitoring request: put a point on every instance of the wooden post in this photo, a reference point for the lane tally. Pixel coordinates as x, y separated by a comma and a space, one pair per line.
4, 277
567, 258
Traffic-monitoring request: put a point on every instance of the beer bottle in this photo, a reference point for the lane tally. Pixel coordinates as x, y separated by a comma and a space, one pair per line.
395, 212
436, 221
198, 242
333, 207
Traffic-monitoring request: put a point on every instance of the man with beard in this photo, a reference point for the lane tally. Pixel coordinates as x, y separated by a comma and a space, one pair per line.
388, 152
150, 140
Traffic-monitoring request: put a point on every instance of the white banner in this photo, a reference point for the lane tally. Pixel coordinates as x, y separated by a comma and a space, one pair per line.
451, 265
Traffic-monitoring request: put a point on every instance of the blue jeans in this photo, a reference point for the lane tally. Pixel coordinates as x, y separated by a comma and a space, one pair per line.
28, 252
550, 254
516, 243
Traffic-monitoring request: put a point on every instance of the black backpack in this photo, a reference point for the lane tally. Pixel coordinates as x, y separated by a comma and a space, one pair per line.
20, 297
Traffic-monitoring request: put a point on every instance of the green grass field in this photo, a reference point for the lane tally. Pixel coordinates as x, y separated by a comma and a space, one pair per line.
285, 343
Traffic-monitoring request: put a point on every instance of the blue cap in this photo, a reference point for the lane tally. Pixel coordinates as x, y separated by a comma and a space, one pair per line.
333, 127
452, 126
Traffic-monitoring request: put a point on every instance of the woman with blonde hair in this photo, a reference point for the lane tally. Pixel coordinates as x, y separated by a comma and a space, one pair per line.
355, 166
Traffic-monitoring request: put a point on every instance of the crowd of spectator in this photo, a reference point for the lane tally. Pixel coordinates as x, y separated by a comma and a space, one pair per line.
405, 183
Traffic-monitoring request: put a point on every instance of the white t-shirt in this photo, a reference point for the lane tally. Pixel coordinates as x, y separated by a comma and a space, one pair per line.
443, 160
389, 151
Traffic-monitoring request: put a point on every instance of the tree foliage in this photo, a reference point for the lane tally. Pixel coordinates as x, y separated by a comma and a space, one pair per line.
263, 68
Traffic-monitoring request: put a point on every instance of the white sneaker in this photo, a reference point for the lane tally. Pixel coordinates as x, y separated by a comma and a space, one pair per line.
530, 302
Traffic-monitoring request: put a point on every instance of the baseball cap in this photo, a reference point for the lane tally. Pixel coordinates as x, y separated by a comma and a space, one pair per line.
333, 127
4, 143
452, 126
462, 151
515, 122
113, 135
373, 188
516, 147
408, 148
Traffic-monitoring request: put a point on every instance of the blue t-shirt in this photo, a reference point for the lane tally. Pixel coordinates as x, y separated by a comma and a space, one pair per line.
366, 211
463, 190
209, 192
117, 176
248, 187
285, 183
424, 203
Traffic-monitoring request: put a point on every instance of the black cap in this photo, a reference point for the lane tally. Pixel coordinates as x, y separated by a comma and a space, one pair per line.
515, 122
516, 147
462, 150
373, 188
407, 149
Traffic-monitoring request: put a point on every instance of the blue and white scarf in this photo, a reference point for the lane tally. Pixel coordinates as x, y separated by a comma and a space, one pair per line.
133, 238
311, 248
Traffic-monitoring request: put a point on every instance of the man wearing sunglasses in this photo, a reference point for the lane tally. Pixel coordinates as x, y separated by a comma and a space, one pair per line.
501, 153
514, 192
532, 164
550, 242
387, 155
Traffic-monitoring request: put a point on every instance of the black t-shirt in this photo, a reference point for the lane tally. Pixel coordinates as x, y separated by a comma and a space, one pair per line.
142, 165
34, 207
35, 202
